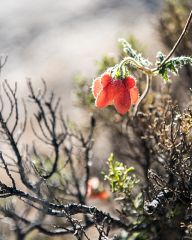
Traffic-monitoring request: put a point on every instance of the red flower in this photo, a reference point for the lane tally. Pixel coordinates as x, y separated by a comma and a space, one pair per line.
95, 190
121, 93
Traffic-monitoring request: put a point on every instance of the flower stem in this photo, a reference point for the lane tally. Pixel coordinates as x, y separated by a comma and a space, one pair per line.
176, 44
144, 94
152, 71
137, 64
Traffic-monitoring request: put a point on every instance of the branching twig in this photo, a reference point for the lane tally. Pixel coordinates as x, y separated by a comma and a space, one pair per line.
7, 170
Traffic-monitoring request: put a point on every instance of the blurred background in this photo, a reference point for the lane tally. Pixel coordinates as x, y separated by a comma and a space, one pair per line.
57, 40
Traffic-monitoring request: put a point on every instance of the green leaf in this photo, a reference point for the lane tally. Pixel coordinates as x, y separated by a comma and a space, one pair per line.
172, 65
133, 53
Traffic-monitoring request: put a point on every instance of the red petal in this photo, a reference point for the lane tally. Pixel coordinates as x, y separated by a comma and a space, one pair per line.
134, 95
122, 100
105, 97
96, 87
106, 79
130, 82
100, 195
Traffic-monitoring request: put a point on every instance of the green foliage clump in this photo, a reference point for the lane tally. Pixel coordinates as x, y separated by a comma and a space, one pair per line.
172, 65
120, 177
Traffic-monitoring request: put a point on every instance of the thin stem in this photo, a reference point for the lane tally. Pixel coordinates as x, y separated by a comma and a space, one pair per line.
148, 84
176, 44
151, 71
137, 64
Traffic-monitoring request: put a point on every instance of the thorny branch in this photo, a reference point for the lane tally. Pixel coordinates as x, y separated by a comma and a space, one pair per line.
50, 129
